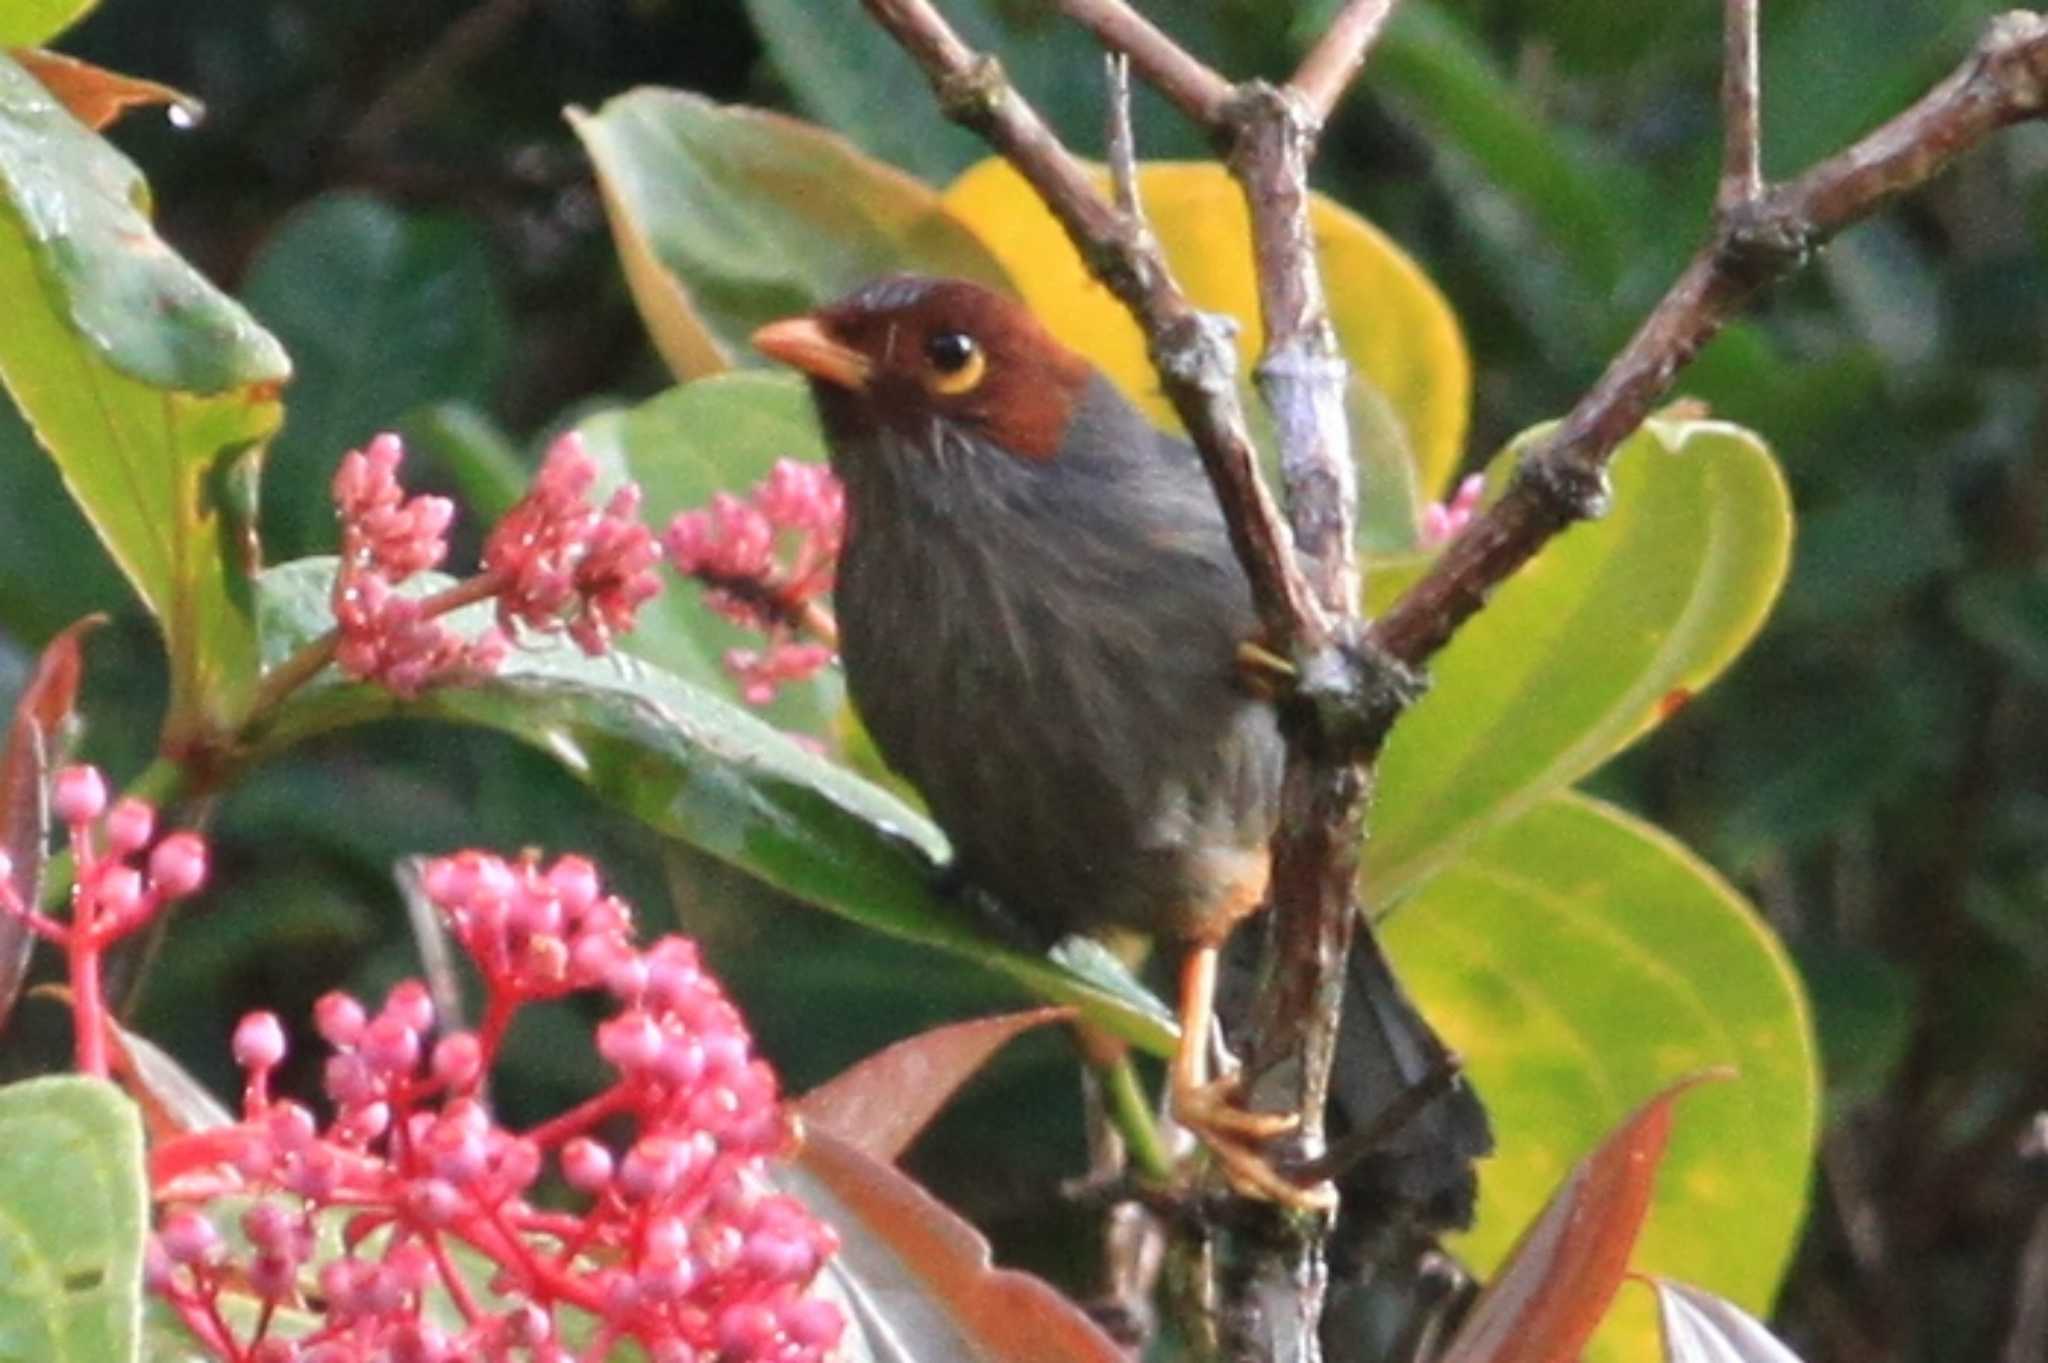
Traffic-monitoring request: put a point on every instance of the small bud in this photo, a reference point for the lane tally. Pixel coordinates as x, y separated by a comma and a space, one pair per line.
259, 1042
458, 1060
131, 823
178, 865
338, 1018
189, 1238
78, 795
586, 1165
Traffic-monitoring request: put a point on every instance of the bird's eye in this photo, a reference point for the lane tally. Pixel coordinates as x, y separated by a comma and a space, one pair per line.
956, 362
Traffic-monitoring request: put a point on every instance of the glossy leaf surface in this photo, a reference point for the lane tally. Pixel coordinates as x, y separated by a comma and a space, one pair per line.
29, 23
693, 766
881, 1104
1545, 1301
1393, 324
76, 1208
1581, 960
94, 95
915, 1280
1700, 1327
147, 386
1615, 624
727, 218
30, 751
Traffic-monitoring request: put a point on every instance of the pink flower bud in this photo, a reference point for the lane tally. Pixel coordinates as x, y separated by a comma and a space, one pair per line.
131, 823
586, 1165
813, 1322
338, 1018
178, 865
411, 1004
78, 795
458, 1060
189, 1238
390, 1045
629, 1042
259, 1042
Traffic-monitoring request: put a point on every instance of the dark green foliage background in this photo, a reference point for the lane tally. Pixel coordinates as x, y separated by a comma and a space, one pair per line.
1872, 774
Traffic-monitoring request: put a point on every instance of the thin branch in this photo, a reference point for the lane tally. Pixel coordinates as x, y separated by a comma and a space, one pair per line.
1741, 110
1334, 62
1120, 141
1195, 90
1193, 352
2004, 81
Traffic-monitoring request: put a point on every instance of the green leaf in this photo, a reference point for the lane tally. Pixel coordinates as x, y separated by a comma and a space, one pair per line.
2008, 614
727, 218
1613, 625
718, 434
32, 23
1581, 959
73, 1210
844, 70
693, 766
383, 311
147, 385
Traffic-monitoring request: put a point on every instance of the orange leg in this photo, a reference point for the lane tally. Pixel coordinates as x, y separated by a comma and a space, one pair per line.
1208, 1107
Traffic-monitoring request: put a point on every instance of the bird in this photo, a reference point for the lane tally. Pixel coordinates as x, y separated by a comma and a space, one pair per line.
1043, 627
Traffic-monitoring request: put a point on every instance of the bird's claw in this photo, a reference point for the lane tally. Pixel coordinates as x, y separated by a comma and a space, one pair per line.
1265, 672
1233, 1134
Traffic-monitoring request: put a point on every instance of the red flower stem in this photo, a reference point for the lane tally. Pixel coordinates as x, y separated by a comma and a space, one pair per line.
203, 1322
49, 929
88, 1004
491, 1239
580, 1118
458, 1289
497, 1017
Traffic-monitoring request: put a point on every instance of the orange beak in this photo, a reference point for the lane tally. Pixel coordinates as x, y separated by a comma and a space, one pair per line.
804, 344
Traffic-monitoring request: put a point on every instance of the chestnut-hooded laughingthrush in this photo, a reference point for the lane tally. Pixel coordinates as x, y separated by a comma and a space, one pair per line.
1041, 620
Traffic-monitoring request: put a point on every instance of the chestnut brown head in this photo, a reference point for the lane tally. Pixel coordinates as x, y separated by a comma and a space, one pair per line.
905, 350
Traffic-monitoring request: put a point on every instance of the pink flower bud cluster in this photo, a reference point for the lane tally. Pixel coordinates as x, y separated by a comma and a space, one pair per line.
766, 560
122, 874
562, 562
1443, 522
388, 637
680, 1244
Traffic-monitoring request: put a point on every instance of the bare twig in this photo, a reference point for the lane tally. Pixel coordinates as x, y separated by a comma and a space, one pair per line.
1334, 62
2004, 81
1121, 142
1741, 110
1195, 90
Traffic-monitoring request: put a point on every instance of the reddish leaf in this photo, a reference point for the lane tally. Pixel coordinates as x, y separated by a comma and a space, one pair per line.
880, 1104
96, 96
916, 1281
1700, 1327
39, 720
1557, 1284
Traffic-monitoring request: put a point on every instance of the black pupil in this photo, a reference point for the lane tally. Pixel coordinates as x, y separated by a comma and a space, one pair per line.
949, 350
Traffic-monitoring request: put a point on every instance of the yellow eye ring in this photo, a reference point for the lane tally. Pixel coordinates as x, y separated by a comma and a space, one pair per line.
956, 363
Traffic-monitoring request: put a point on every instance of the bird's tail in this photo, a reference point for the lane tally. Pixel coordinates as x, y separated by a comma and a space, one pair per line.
1395, 1078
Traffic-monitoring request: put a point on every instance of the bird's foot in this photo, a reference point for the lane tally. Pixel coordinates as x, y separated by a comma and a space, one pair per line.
1264, 672
1234, 1134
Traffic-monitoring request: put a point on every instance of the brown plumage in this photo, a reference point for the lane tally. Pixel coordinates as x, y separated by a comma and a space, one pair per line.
1040, 615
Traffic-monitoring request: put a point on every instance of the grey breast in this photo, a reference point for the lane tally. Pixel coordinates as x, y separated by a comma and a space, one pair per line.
1045, 651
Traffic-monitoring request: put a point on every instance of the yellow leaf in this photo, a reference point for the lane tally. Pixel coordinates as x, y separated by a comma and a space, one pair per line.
1394, 326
